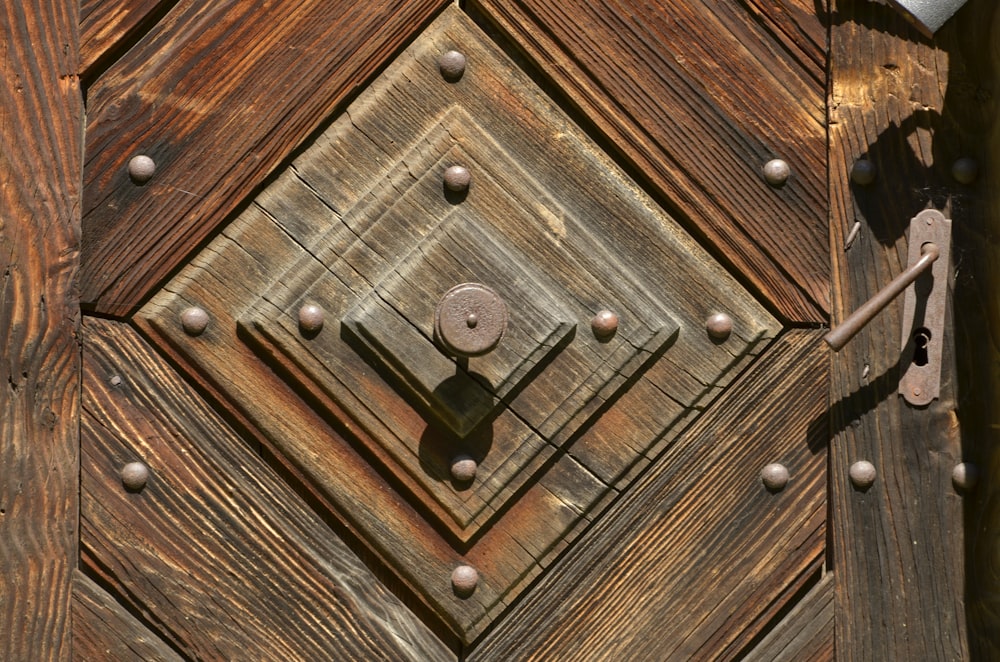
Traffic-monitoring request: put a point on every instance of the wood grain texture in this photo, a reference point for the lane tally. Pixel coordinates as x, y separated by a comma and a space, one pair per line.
805, 634
912, 107
104, 630
41, 140
217, 94
106, 25
216, 553
697, 97
686, 565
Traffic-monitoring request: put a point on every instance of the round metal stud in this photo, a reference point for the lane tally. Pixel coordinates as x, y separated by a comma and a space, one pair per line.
470, 320
775, 477
457, 179
134, 476
965, 170
311, 318
452, 65
776, 172
464, 580
719, 326
862, 474
604, 324
863, 173
141, 169
194, 320
463, 468
965, 476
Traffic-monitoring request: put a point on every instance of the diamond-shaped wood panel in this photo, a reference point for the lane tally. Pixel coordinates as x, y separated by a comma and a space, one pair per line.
371, 411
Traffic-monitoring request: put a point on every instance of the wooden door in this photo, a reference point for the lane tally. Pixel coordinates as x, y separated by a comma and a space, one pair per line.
296, 438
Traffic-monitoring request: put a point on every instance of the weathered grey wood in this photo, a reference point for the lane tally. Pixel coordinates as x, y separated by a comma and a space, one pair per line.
898, 547
187, 94
694, 557
215, 551
41, 140
104, 630
805, 634
698, 96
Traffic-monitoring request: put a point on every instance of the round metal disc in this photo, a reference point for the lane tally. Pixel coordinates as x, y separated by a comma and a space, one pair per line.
470, 320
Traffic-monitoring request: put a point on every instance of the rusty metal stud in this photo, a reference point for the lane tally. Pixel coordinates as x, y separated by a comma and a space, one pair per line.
194, 320
470, 320
863, 173
604, 324
452, 65
311, 318
463, 468
464, 580
775, 477
965, 476
719, 326
134, 476
776, 172
457, 178
862, 474
965, 170
141, 169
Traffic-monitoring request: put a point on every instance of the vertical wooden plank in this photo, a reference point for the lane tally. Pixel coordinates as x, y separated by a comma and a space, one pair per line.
41, 138
908, 104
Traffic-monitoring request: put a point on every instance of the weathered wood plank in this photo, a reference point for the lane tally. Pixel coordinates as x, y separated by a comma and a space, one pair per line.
696, 554
698, 96
185, 95
216, 551
106, 24
805, 634
898, 550
41, 140
104, 630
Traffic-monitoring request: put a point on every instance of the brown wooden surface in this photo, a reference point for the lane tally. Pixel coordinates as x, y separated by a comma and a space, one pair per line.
104, 630
107, 26
41, 139
913, 107
698, 96
692, 560
805, 634
216, 553
217, 94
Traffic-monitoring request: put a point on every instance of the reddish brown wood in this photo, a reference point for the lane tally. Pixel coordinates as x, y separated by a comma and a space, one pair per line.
217, 94
697, 554
218, 555
698, 96
106, 24
41, 139
805, 634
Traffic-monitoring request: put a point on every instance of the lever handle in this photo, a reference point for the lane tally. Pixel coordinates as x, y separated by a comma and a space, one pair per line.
837, 338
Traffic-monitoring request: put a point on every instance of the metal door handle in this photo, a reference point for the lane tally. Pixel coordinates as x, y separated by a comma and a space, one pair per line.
837, 338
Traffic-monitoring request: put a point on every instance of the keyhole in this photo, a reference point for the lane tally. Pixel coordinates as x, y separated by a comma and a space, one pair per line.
921, 337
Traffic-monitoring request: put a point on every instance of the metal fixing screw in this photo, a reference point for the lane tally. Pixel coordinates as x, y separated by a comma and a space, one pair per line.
775, 477
194, 321
862, 474
604, 324
452, 65
463, 468
141, 169
863, 173
470, 320
719, 326
965, 170
134, 476
311, 318
965, 476
464, 580
776, 172
457, 179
